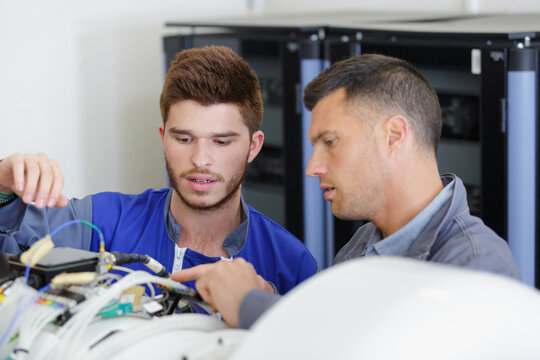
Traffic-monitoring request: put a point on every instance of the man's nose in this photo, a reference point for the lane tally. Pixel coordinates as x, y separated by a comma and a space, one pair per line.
201, 156
316, 166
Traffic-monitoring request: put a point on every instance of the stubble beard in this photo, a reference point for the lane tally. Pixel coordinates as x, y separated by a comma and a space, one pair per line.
357, 204
362, 203
231, 189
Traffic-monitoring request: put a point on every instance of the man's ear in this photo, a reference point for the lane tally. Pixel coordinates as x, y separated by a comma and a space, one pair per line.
257, 140
162, 131
397, 132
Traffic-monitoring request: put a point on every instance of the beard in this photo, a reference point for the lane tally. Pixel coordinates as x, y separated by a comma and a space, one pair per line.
231, 187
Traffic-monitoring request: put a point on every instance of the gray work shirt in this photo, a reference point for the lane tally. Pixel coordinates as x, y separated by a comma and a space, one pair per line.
398, 243
444, 232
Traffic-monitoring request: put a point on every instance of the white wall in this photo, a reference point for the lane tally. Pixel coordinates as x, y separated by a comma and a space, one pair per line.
453, 6
80, 80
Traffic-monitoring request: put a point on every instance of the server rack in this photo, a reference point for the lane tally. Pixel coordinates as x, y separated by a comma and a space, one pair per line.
487, 83
498, 54
275, 181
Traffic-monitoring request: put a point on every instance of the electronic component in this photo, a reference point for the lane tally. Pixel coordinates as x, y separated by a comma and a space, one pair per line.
122, 259
51, 297
63, 296
176, 299
116, 309
56, 261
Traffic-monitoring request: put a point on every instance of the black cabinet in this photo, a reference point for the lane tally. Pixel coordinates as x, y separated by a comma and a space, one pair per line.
484, 69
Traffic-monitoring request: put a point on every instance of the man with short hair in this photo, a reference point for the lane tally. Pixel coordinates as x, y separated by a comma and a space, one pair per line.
212, 110
375, 126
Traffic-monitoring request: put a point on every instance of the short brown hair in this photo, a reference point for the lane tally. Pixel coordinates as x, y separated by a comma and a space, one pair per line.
213, 75
389, 85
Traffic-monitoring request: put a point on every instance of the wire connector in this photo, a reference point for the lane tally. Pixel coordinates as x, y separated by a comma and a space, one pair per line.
152, 264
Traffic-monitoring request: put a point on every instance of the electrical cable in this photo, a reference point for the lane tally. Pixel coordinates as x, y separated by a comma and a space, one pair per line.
56, 230
30, 319
70, 334
27, 271
128, 270
108, 279
34, 321
84, 222
150, 262
20, 311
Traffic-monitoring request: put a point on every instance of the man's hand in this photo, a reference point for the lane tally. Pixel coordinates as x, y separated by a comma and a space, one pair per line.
224, 284
34, 178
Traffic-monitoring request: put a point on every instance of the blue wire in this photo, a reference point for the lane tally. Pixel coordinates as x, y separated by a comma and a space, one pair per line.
46, 287
19, 313
63, 226
100, 233
27, 271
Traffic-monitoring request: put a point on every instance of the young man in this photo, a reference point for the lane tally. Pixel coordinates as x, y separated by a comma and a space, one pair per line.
375, 127
212, 110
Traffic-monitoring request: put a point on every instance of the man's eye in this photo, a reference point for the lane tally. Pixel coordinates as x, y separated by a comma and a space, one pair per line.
222, 142
184, 139
329, 141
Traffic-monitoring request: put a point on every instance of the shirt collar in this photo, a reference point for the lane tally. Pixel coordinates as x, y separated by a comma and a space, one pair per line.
233, 243
399, 242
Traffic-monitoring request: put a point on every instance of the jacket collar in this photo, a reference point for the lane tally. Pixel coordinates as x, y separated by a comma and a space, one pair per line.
421, 249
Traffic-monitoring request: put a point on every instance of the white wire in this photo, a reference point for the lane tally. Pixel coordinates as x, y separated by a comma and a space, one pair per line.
128, 270
70, 333
109, 278
23, 297
34, 321
66, 340
123, 268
